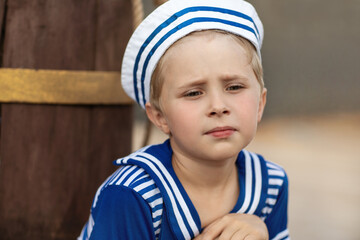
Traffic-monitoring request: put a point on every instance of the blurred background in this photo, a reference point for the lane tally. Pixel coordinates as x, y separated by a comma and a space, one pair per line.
56, 151
311, 125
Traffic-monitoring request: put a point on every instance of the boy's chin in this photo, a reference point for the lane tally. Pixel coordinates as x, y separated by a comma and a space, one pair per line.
224, 153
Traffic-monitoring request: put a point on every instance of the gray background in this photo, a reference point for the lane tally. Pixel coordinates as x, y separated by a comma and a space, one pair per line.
310, 55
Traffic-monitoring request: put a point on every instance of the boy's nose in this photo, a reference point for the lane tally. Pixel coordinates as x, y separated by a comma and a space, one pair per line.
219, 112
218, 107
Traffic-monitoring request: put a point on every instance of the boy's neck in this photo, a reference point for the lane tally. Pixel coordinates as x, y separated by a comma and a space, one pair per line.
204, 175
213, 187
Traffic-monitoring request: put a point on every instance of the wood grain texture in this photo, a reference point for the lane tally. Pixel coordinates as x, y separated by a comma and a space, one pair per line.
53, 157
2, 11
61, 87
44, 34
2, 27
111, 30
52, 162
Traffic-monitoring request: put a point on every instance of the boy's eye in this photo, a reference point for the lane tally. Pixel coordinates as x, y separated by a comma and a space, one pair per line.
234, 87
192, 94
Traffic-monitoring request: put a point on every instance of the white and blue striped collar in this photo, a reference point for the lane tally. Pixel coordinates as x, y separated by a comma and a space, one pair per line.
156, 160
184, 219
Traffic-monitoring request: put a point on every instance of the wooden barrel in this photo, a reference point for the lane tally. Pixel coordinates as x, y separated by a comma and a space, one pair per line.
54, 155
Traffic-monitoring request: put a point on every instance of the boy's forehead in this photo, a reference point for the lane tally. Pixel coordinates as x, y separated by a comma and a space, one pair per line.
198, 55
203, 34
175, 20
191, 42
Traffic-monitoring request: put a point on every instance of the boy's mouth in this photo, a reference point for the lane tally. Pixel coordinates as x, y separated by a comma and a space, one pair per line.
221, 132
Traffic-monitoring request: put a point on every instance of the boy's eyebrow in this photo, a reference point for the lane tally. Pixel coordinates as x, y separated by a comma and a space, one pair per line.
228, 77
225, 78
194, 83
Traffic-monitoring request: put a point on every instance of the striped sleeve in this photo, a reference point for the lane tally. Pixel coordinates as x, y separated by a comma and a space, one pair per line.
145, 186
275, 211
127, 206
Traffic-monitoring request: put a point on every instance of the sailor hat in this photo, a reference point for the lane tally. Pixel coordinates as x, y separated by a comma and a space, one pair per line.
174, 20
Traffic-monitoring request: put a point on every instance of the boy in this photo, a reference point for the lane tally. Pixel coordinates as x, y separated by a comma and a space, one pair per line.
195, 66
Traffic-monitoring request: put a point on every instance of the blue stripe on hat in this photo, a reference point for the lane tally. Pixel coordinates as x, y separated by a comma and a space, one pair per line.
184, 24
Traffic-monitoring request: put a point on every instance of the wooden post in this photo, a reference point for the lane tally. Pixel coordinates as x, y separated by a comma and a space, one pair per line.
53, 157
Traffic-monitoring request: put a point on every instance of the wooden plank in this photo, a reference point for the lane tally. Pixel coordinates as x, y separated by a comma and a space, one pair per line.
2, 15
0, 134
112, 29
53, 157
61, 87
47, 169
50, 34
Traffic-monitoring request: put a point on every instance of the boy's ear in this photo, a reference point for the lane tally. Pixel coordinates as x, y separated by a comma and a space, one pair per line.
157, 118
262, 104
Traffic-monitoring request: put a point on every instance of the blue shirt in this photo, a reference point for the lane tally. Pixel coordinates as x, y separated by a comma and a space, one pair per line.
144, 199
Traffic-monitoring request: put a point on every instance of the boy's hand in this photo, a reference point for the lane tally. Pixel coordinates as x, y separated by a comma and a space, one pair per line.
235, 226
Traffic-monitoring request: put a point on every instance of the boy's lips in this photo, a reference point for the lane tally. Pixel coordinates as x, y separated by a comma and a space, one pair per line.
221, 132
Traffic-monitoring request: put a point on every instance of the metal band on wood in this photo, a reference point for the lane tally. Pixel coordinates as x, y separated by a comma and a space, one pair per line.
61, 87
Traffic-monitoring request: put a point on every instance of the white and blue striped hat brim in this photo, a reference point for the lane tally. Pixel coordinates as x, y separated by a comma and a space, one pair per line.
174, 20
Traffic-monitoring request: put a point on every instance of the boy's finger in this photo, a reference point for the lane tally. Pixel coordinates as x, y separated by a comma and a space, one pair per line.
239, 235
214, 230
234, 231
198, 237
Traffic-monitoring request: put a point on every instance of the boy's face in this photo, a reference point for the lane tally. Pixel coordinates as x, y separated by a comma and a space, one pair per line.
211, 100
